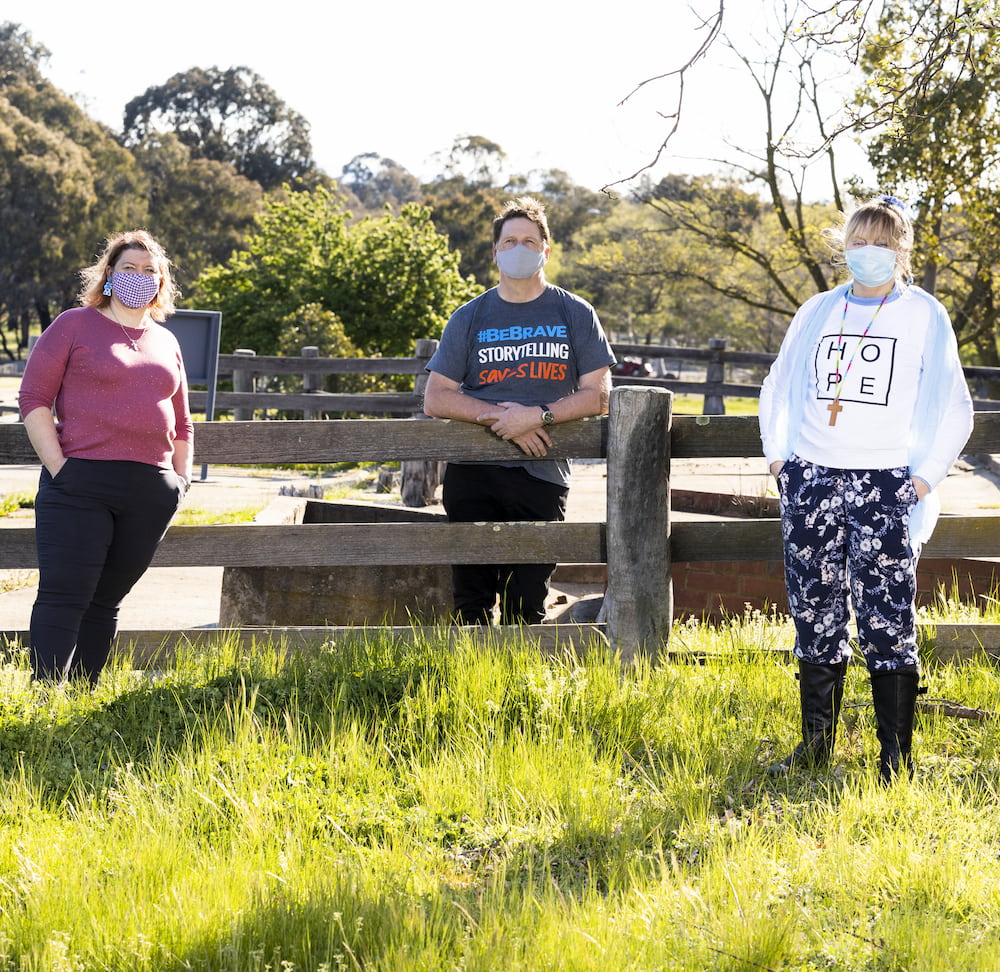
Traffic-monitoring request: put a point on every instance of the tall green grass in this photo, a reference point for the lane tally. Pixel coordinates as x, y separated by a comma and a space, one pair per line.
392, 806
695, 404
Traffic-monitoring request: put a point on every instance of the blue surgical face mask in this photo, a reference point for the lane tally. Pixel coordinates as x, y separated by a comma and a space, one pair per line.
871, 266
520, 262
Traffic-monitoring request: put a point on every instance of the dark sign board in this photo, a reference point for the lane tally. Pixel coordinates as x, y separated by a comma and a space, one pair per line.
198, 333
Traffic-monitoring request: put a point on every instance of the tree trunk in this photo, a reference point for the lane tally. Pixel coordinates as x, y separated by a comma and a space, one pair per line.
420, 479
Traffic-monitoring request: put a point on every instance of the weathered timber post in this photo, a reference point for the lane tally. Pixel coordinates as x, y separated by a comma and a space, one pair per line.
419, 478
312, 381
715, 373
243, 381
639, 602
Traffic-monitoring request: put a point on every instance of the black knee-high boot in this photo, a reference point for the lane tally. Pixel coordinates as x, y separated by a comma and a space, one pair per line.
821, 691
895, 697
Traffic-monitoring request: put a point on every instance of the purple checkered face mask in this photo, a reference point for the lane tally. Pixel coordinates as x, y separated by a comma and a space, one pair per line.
135, 289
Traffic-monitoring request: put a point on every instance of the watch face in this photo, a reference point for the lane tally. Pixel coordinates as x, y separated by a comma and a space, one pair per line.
547, 417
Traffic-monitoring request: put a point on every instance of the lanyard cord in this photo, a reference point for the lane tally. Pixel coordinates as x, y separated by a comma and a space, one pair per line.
840, 342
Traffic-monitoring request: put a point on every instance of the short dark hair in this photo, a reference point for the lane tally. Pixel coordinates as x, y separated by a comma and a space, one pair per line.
524, 207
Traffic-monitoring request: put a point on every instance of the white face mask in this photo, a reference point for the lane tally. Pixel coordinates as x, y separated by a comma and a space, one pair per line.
871, 266
519, 262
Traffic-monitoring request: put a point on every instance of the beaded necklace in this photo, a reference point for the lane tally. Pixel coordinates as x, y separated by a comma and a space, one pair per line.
835, 408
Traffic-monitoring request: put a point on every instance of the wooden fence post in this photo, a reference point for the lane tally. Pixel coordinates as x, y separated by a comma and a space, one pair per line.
715, 404
639, 602
311, 381
243, 381
419, 478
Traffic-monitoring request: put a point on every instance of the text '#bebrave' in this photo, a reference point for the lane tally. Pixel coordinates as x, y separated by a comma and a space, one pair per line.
520, 332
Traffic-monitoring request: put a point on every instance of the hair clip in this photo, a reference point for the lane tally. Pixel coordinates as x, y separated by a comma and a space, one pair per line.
899, 204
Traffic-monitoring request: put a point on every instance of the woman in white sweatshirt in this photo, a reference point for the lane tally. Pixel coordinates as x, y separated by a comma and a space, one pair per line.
862, 415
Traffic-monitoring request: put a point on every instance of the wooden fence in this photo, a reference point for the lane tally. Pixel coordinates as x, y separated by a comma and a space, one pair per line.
638, 541
718, 361
247, 369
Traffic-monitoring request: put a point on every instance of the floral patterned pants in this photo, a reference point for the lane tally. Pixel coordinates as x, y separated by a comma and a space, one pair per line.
846, 531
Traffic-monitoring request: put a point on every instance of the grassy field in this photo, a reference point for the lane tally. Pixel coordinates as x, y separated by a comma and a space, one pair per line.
381, 806
694, 404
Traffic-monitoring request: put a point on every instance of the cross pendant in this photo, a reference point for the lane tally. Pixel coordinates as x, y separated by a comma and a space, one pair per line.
834, 408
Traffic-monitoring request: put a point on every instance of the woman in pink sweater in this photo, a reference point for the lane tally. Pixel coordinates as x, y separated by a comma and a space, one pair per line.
104, 402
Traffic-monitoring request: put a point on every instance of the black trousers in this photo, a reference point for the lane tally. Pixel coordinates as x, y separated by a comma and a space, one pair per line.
476, 493
97, 526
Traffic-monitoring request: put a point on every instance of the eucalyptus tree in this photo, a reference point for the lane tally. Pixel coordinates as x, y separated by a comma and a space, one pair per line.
201, 209
377, 182
65, 185
229, 115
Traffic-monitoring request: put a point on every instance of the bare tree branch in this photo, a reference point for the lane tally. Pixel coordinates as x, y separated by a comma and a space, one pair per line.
955, 709
714, 26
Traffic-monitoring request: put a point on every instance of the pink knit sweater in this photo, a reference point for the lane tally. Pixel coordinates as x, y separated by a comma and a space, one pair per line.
111, 402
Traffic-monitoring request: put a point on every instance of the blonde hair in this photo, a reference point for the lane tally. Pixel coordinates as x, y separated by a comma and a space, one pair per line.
885, 218
94, 277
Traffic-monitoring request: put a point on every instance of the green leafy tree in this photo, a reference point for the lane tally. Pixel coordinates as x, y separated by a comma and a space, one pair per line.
652, 279
465, 219
622, 265
463, 199
228, 116
20, 56
65, 185
569, 207
942, 153
390, 280
739, 249
473, 162
314, 326
379, 182
404, 280
912, 51
200, 209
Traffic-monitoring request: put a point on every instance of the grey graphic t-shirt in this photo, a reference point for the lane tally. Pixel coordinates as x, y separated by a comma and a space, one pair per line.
532, 353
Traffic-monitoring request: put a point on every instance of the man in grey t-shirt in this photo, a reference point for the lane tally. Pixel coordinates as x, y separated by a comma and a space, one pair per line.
519, 358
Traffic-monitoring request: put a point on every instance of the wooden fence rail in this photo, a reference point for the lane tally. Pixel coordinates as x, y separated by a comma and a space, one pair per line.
245, 368
638, 542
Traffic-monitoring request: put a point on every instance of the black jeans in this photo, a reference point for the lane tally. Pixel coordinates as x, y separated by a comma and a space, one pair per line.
97, 526
476, 493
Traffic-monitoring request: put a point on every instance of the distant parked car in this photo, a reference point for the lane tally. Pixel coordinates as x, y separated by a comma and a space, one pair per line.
631, 367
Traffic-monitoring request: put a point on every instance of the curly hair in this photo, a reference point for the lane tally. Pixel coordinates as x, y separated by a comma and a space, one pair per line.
94, 277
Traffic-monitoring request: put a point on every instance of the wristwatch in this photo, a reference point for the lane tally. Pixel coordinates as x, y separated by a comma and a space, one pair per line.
547, 417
